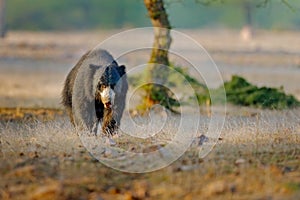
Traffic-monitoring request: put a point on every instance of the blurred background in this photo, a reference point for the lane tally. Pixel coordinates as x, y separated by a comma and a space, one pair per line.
42, 40
188, 14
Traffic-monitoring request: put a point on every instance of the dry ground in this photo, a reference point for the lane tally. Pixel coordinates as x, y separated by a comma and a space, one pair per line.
257, 157
41, 156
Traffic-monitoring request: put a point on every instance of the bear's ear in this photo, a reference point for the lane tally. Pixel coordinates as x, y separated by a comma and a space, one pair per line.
121, 70
92, 66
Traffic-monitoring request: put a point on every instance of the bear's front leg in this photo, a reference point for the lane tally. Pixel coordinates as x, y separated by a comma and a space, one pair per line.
109, 125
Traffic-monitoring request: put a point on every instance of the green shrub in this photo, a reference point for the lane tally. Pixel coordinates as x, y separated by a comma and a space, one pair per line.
241, 92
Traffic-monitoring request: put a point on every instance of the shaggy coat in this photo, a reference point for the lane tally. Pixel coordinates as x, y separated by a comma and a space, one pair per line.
95, 91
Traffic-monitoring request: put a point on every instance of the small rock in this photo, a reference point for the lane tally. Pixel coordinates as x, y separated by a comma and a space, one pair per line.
107, 152
240, 161
111, 153
110, 142
188, 167
202, 140
165, 153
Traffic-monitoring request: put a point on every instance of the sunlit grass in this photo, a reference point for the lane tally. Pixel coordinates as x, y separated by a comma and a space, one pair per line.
255, 156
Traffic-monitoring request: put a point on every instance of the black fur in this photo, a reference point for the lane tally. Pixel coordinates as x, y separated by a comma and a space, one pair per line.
79, 85
110, 77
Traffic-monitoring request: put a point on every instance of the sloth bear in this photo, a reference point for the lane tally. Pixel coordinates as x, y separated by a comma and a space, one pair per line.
95, 91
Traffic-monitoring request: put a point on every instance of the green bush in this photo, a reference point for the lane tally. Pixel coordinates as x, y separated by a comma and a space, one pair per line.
241, 92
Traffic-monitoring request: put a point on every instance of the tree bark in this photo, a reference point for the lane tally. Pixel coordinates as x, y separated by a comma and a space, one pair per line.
161, 25
157, 71
2, 19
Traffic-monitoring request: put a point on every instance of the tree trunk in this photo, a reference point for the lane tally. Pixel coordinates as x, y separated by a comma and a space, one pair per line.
2, 19
159, 62
161, 25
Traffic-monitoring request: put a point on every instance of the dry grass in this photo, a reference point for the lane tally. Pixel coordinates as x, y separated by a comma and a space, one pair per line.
257, 158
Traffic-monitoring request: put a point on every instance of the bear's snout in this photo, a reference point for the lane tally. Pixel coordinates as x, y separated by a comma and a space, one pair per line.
107, 97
